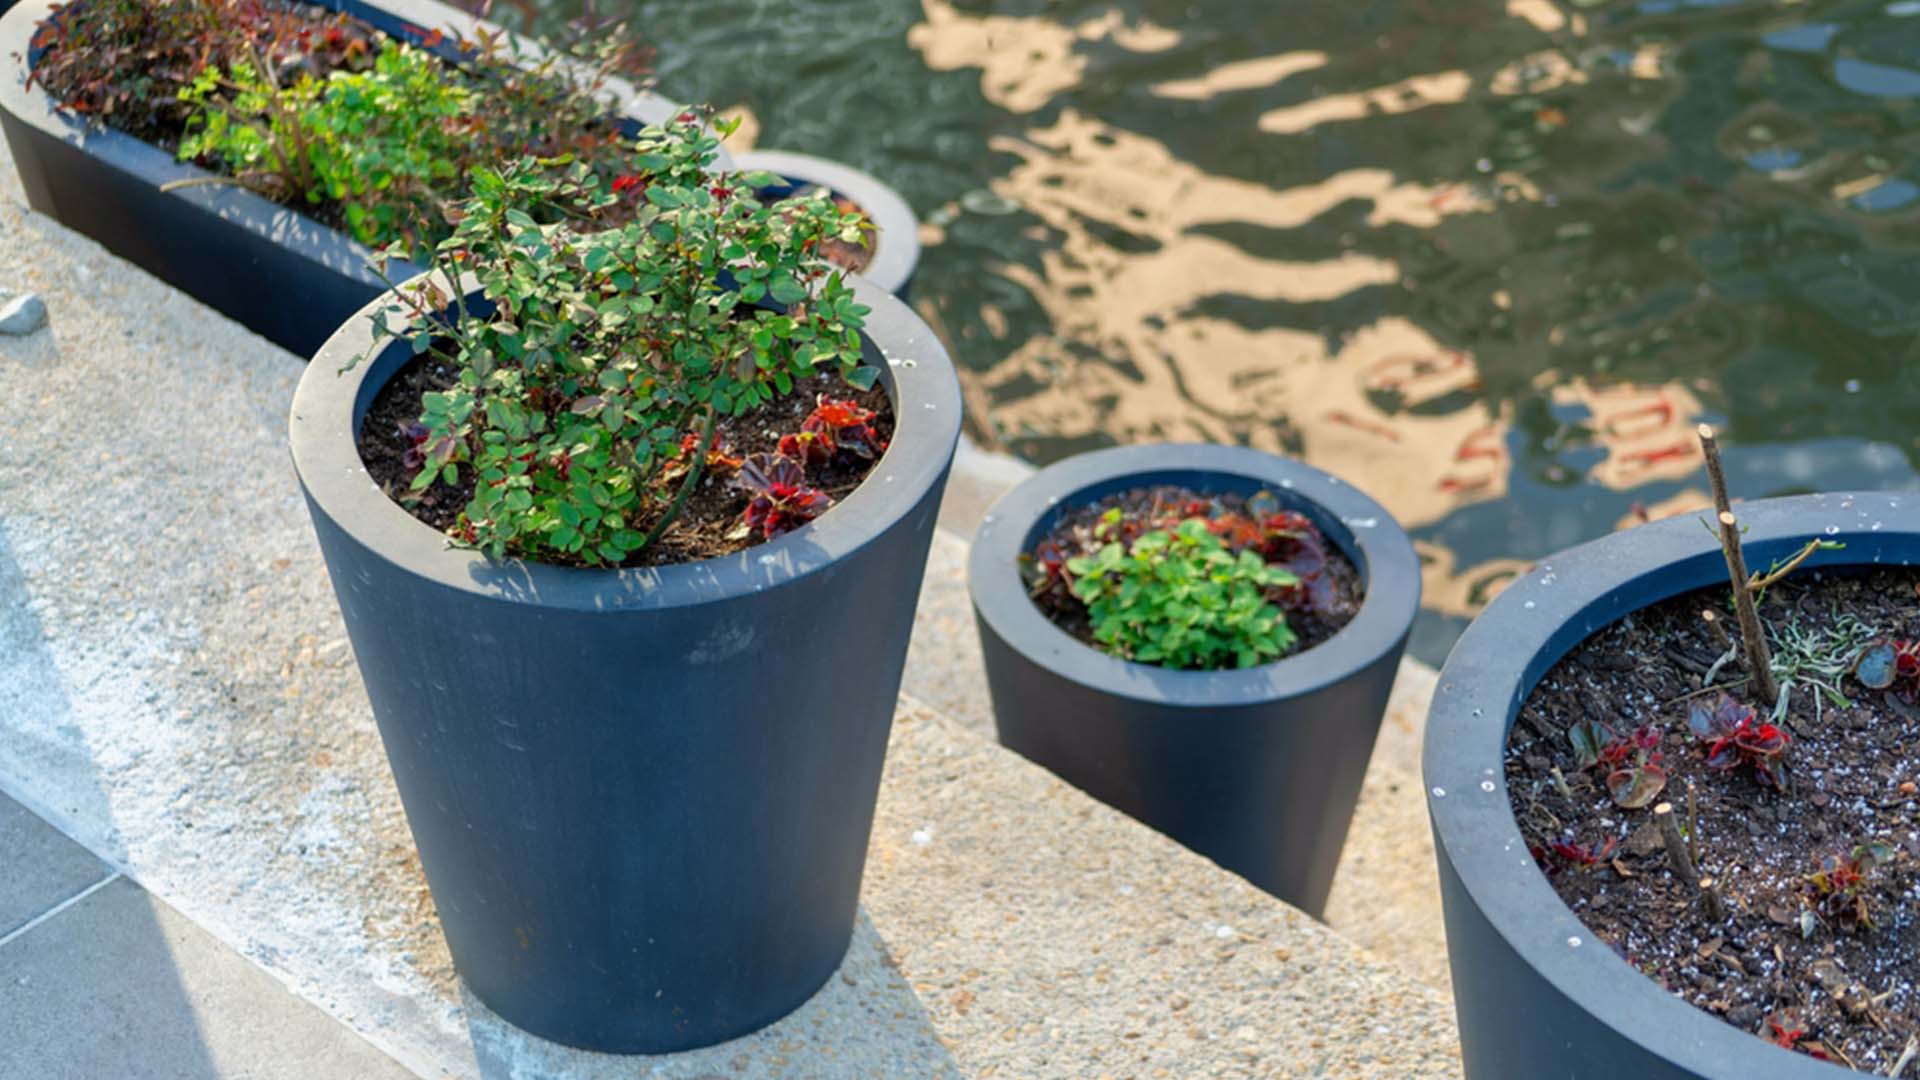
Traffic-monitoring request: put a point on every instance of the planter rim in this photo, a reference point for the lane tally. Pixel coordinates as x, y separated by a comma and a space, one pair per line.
1534, 622
896, 250
1387, 564
927, 415
285, 226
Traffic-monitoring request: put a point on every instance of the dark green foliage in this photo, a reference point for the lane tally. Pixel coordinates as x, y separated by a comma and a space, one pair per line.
602, 348
324, 113
1181, 599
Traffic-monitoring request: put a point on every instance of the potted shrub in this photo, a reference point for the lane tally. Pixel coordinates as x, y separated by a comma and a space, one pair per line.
252, 154
892, 254
1203, 637
628, 527
1672, 799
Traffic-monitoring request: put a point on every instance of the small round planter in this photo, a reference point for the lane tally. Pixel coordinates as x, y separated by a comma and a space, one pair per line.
896, 237
1536, 994
1258, 769
642, 797
281, 274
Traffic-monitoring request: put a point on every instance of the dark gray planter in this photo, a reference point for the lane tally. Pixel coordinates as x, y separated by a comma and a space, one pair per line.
1536, 994
896, 237
1259, 769
642, 797
272, 269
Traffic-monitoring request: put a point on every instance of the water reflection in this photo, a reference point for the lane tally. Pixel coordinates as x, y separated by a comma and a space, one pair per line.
1491, 259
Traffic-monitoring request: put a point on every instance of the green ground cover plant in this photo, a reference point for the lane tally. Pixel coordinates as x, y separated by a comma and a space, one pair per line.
594, 379
324, 113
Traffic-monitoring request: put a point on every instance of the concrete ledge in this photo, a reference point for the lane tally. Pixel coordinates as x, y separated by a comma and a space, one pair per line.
176, 693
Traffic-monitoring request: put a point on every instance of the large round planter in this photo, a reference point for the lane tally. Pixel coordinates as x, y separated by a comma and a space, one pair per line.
1536, 994
1257, 769
272, 269
896, 234
642, 797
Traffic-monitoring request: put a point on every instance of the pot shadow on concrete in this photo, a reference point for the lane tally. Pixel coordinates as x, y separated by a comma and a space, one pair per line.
865, 1021
92, 989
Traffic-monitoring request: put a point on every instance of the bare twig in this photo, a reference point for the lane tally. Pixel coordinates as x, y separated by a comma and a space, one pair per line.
1691, 694
1677, 855
248, 182
1906, 1058
1761, 584
1716, 907
1693, 826
1754, 638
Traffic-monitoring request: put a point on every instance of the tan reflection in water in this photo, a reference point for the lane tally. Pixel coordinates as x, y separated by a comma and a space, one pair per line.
1417, 92
1241, 75
1135, 354
1024, 60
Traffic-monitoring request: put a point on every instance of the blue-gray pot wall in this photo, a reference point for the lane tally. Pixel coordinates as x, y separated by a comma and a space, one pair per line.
1537, 995
642, 798
281, 274
1258, 770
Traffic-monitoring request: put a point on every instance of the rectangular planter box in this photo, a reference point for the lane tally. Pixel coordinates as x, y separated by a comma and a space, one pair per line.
281, 274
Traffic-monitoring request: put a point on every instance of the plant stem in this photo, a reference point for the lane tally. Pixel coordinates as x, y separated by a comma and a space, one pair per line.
1677, 856
1693, 826
1759, 657
1716, 907
1760, 584
1906, 1057
707, 435
245, 182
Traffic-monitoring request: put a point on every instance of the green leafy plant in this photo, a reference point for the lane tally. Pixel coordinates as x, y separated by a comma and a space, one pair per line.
595, 351
381, 144
319, 111
1181, 599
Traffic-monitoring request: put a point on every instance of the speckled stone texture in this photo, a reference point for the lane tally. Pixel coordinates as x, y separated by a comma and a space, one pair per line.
177, 693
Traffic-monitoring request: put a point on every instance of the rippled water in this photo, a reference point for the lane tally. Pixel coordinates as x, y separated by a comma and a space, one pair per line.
1488, 259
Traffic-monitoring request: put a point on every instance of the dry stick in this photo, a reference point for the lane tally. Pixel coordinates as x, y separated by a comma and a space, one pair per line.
1759, 657
1704, 690
1762, 584
1681, 861
1693, 826
1906, 1057
1716, 907
1677, 855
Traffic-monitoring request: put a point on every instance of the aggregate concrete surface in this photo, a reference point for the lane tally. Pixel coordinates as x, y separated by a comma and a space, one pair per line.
177, 693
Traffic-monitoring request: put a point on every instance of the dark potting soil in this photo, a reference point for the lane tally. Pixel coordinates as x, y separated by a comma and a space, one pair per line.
1327, 600
710, 514
333, 41
1791, 962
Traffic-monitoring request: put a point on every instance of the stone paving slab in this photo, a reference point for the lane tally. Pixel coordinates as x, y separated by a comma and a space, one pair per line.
39, 867
177, 693
119, 985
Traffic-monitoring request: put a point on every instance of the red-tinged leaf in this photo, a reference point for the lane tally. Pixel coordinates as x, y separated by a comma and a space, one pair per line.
1723, 755
1636, 787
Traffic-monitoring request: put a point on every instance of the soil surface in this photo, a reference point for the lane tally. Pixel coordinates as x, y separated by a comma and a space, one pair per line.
1315, 613
710, 514
337, 41
1826, 971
